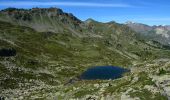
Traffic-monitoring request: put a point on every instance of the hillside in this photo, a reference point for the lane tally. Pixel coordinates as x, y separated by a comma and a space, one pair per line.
42, 49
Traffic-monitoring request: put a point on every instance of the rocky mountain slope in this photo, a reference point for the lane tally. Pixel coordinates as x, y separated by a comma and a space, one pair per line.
42, 49
157, 33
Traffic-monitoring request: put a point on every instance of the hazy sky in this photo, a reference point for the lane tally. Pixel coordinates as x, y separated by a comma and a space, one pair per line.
152, 12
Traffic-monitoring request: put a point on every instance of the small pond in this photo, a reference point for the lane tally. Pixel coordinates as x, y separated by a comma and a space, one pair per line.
103, 73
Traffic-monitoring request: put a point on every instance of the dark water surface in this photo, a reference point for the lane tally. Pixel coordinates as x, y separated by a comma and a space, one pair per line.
103, 72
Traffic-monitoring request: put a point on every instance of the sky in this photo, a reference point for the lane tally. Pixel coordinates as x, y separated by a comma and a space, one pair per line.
151, 12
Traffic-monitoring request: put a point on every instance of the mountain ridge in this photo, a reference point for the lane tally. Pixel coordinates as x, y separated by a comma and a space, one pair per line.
41, 19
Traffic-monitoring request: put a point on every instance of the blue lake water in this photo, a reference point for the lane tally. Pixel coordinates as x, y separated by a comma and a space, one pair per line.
103, 73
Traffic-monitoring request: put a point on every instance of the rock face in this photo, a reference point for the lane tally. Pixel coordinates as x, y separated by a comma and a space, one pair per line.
41, 19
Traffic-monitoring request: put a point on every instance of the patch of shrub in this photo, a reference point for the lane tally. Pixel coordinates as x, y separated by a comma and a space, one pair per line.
7, 52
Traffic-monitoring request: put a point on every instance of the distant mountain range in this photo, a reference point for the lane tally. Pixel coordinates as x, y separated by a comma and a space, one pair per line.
157, 33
